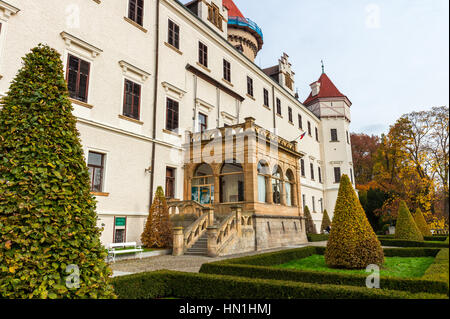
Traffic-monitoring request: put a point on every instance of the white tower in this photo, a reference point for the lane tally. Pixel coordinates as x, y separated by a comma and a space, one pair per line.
333, 108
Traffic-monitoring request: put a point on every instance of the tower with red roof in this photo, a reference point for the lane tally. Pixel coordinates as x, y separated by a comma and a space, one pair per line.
333, 108
243, 33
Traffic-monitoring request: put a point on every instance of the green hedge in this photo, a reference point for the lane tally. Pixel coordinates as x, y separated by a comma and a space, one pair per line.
317, 237
426, 238
412, 243
439, 270
260, 267
165, 283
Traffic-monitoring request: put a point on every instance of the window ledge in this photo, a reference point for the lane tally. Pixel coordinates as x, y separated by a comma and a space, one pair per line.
135, 24
203, 67
334, 141
80, 103
265, 106
292, 123
171, 133
98, 1
279, 115
126, 118
100, 194
173, 48
251, 97
228, 82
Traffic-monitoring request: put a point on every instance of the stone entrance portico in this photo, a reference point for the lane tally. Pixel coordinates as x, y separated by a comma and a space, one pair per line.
250, 178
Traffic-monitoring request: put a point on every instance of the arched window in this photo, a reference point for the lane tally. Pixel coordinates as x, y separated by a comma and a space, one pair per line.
203, 185
277, 179
263, 175
289, 187
232, 183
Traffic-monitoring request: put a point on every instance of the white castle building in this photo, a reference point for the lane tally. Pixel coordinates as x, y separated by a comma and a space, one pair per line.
151, 80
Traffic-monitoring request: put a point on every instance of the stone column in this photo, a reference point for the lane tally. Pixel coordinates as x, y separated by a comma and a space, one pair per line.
238, 211
269, 190
216, 189
212, 241
210, 213
283, 192
178, 241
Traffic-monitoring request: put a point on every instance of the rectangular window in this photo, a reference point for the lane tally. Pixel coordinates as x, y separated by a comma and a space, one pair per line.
320, 175
317, 134
312, 171
172, 115
313, 204
214, 16
337, 175
304, 200
96, 167
309, 129
78, 78
348, 138
136, 11
249, 86
170, 182
266, 98
302, 167
278, 106
300, 122
132, 100
174, 34
226, 70
203, 54
291, 119
334, 137
202, 122
351, 174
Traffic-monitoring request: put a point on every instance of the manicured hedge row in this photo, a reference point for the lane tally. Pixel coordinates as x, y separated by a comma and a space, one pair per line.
426, 238
260, 267
284, 256
439, 270
317, 237
412, 243
204, 286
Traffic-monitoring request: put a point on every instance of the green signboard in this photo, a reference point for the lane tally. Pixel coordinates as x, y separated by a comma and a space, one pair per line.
121, 221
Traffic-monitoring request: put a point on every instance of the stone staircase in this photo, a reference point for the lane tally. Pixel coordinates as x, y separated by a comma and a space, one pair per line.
200, 248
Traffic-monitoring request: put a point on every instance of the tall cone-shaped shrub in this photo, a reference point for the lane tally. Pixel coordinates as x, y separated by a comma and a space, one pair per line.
310, 226
325, 221
49, 241
158, 228
421, 223
352, 243
406, 227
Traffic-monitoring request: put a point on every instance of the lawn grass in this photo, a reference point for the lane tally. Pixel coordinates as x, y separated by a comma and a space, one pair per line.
402, 267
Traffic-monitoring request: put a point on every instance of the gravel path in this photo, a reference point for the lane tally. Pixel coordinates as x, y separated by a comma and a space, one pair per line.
181, 263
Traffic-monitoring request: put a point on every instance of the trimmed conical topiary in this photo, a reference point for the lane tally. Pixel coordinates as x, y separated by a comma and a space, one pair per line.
310, 226
325, 221
421, 223
406, 227
158, 228
352, 243
49, 241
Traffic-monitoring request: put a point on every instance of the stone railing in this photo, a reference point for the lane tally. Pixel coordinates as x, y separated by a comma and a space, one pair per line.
184, 239
220, 236
186, 207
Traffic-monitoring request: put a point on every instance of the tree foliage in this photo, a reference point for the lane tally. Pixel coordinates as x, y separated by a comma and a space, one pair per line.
310, 225
158, 232
406, 227
47, 213
325, 221
364, 149
352, 243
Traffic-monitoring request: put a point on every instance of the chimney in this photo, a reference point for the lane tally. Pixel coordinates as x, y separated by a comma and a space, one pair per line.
315, 88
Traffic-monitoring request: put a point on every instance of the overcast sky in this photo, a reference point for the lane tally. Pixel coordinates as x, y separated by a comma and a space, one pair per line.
390, 57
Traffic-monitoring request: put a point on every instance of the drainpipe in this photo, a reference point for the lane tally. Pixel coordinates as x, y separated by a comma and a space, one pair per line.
155, 102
